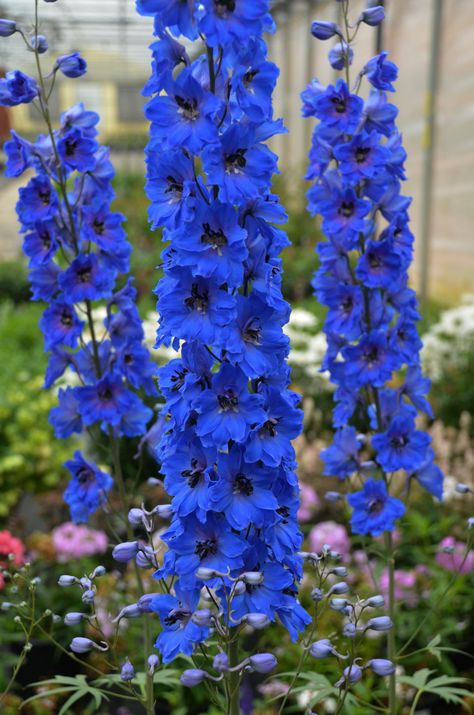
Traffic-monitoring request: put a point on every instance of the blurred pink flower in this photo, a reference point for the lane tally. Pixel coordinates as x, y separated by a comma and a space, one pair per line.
331, 533
309, 502
73, 541
405, 583
9, 544
453, 560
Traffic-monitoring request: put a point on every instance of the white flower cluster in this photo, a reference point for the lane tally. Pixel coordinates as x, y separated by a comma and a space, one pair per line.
449, 342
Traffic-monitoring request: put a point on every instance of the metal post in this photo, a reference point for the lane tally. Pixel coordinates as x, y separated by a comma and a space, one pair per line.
429, 149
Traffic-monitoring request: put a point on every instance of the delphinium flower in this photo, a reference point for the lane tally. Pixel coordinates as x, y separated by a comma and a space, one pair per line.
79, 258
226, 452
373, 355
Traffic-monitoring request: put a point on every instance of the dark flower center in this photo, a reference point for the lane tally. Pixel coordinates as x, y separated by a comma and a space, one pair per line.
399, 441
128, 359
66, 318
252, 332
236, 161
339, 104
223, 7
284, 512
371, 355
206, 548
98, 226
173, 186
105, 394
374, 260
84, 274
347, 304
84, 475
346, 209
197, 301
361, 154
188, 108
45, 196
177, 615
216, 239
242, 485
269, 428
193, 475
45, 239
228, 401
178, 379
249, 76
71, 147
376, 506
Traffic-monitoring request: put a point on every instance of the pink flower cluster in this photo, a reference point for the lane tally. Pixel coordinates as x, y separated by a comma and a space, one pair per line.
451, 555
309, 502
10, 545
74, 541
334, 535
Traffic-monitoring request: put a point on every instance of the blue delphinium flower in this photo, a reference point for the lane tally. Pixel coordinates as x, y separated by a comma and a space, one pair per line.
226, 452
356, 165
87, 489
77, 251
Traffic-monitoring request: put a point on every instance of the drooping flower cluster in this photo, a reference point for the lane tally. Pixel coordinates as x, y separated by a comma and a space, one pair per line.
226, 453
77, 251
356, 164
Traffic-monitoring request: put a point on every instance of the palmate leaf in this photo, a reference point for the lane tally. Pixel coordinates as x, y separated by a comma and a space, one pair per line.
77, 686
446, 687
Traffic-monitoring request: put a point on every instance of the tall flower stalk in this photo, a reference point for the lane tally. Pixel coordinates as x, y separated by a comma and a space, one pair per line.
226, 452
79, 261
373, 355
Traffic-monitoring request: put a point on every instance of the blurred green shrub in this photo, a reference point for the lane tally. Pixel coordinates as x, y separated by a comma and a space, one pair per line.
14, 284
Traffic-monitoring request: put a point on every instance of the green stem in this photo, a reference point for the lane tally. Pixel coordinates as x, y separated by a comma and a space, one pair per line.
234, 678
392, 650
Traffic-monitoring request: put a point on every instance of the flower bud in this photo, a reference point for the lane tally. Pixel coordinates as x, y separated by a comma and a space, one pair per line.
349, 630
317, 594
375, 601
470, 522
7, 28
254, 578
340, 55
257, 620
72, 65
338, 604
144, 603
381, 666
153, 663
72, 619
202, 618
98, 571
126, 551
81, 645
39, 43
221, 663
321, 649
339, 588
340, 571
324, 30
88, 596
239, 588
6, 605
164, 511
66, 580
263, 662
127, 671
372, 16
380, 624
136, 516
131, 611
192, 677
145, 557
352, 674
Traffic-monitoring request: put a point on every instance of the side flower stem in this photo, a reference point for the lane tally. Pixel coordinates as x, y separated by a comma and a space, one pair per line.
234, 678
392, 651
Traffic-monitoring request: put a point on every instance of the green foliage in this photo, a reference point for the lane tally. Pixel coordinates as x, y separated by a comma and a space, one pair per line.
21, 343
14, 285
30, 457
444, 687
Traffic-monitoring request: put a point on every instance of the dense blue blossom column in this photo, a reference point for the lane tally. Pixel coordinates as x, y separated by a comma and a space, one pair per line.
78, 256
373, 356
226, 452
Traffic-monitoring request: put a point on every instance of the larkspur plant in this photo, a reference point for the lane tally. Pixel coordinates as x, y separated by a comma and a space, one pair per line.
357, 166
